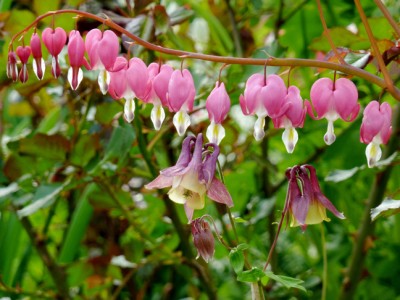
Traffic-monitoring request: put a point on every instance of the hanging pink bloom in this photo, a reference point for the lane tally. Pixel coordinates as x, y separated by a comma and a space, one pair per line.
23, 53
38, 62
54, 40
305, 202
159, 78
102, 49
203, 239
218, 104
263, 97
181, 93
292, 118
333, 100
375, 129
12, 68
193, 177
76, 54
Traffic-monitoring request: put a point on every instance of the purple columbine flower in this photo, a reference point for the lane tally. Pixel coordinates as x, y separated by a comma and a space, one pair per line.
305, 202
193, 177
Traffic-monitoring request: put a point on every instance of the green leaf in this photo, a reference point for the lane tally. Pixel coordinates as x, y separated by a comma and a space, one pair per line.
106, 112
236, 258
242, 247
50, 122
120, 142
341, 175
77, 229
252, 275
387, 208
84, 150
161, 19
44, 196
286, 281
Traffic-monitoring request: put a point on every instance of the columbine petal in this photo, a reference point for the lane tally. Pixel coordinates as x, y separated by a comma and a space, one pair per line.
218, 192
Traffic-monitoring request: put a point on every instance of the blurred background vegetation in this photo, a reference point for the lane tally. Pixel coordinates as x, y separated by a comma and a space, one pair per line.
75, 219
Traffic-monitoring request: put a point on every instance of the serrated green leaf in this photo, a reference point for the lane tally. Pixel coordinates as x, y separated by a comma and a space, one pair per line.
237, 260
286, 281
387, 208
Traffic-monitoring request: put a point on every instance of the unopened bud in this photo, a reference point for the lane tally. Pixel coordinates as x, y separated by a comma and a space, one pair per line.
203, 239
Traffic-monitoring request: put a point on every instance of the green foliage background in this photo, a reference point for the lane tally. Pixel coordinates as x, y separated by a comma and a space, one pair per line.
73, 210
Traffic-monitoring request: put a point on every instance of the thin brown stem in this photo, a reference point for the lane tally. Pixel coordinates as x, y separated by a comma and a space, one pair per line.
375, 48
327, 34
281, 62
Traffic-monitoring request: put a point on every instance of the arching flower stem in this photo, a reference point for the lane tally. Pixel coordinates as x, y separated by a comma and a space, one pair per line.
281, 62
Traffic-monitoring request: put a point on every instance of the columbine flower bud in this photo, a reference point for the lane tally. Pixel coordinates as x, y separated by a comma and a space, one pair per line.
292, 118
217, 105
181, 93
23, 53
203, 239
54, 40
38, 62
333, 100
102, 49
375, 129
12, 68
263, 97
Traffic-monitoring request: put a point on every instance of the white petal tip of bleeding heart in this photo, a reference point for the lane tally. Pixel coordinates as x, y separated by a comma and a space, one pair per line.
373, 153
129, 110
215, 133
104, 81
181, 122
157, 116
290, 138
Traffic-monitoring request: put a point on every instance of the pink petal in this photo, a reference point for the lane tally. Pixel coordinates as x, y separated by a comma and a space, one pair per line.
321, 96
160, 83
218, 103
345, 97
181, 91
137, 77
108, 49
218, 192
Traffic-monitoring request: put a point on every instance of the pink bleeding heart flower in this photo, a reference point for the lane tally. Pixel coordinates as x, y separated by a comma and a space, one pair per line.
119, 88
375, 129
23, 53
76, 54
12, 68
263, 97
292, 118
305, 202
54, 40
39, 66
218, 104
102, 49
159, 78
333, 100
180, 95
193, 177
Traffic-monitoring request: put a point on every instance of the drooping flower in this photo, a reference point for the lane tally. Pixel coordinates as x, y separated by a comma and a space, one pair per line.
38, 64
76, 54
375, 129
305, 202
23, 53
203, 239
159, 78
333, 100
218, 104
292, 118
263, 97
54, 40
102, 49
12, 68
180, 95
193, 177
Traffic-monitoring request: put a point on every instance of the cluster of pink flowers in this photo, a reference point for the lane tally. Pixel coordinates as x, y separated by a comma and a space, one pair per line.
162, 86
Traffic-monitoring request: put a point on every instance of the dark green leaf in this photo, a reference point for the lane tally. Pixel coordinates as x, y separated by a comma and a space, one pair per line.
237, 260
286, 281
252, 275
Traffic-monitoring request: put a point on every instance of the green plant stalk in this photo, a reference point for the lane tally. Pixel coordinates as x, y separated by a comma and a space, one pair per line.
325, 263
366, 227
57, 272
173, 214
